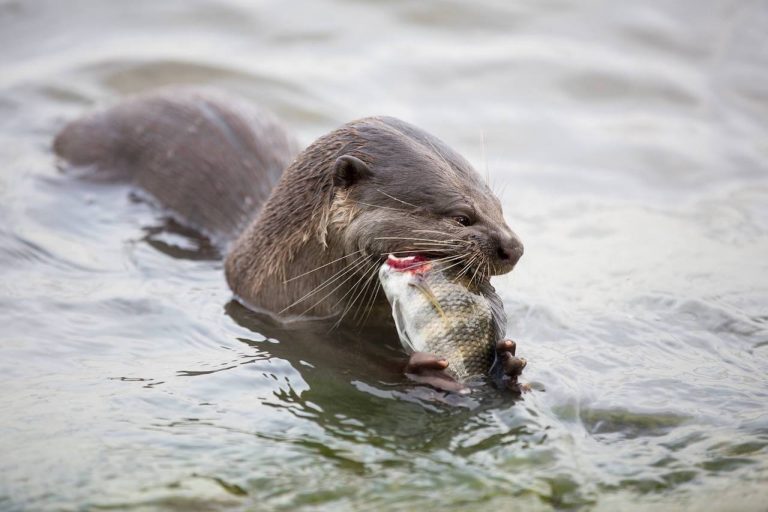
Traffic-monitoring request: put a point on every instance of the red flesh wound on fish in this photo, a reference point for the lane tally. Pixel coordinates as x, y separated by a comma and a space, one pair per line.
415, 263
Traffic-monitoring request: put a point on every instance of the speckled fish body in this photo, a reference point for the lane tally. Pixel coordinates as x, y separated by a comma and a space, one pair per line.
437, 314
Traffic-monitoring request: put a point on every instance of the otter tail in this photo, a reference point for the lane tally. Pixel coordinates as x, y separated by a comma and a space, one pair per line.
211, 160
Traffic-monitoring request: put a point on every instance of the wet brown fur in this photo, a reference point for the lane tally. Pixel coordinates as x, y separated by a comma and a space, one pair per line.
216, 164
211, 159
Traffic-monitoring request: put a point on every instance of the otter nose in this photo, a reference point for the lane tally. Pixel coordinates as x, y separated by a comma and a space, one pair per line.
510, 250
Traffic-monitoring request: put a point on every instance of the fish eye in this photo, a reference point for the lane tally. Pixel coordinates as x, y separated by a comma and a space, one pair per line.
462, 219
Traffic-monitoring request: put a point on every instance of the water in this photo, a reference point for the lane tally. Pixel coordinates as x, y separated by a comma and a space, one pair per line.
629, 142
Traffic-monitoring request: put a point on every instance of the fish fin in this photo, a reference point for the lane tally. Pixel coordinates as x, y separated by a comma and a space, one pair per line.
405, 339
424, 288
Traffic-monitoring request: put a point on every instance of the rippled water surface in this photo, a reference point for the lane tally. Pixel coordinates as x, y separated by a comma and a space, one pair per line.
629, 143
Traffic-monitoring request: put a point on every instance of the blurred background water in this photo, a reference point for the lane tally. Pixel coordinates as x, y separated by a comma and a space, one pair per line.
629, 143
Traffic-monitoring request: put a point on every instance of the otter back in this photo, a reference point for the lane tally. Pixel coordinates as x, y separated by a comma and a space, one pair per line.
211, 160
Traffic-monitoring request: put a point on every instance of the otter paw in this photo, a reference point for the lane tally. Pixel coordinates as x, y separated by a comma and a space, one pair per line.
426, 368
421, 361
511, 365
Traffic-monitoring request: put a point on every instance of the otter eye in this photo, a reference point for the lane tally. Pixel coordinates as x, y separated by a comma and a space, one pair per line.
462, 219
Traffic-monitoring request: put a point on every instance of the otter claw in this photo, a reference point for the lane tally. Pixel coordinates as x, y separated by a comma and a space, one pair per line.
506, 346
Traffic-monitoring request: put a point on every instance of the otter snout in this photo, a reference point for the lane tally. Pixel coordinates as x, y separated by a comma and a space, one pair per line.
509, 250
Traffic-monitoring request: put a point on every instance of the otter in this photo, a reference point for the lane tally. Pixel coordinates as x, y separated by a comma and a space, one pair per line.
304, 233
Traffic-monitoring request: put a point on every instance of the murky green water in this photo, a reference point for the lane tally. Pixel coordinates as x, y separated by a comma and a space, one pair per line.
630, 144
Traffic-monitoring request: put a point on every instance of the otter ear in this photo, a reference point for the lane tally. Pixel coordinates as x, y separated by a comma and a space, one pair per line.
348, 170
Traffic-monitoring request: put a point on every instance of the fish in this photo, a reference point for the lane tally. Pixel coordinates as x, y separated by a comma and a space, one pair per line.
442, 314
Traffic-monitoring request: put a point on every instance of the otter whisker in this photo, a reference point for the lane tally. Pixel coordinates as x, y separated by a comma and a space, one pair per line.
471, 264
439, 154
365, 278
444, 259
499, 192
452, 265
463, 270
437, 244
379, 206
335, 277
472, 279
409, 238
467, 263
396, 199
365, 297
352, 274
485, 160
375, 294
436, 260
346, 271
322, 266
467, 266
454, 241
411, 251
369, 285
479, 269
456, 259
439, 248
440, 233
448, 257
368, 289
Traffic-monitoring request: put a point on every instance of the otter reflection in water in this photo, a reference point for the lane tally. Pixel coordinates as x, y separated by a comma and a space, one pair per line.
304, 233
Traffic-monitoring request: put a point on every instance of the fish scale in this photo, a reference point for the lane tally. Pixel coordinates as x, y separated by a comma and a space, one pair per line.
454, 322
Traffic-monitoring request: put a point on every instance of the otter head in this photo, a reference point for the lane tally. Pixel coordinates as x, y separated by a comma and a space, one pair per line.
400, 190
